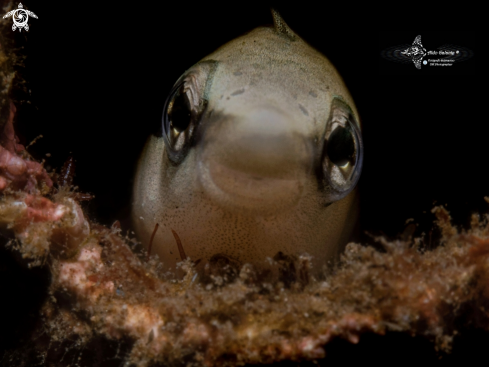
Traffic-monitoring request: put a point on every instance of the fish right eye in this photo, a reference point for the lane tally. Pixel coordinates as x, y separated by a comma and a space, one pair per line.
180, 117
179, 111
177, 123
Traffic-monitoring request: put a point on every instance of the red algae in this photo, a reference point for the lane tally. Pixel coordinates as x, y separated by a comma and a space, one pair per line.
101, 287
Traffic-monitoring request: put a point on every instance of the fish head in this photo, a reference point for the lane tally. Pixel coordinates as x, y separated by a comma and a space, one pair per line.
260, 153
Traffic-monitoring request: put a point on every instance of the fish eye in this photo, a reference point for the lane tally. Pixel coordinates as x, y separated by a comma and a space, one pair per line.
341, 147
342, 153
177, 124
179, 111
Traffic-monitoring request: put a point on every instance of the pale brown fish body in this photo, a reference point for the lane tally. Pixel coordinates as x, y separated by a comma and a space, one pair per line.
260, 154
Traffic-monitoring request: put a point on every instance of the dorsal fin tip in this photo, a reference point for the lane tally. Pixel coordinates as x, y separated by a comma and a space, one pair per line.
281, 27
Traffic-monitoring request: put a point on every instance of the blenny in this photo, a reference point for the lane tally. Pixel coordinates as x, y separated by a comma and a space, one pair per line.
259, 154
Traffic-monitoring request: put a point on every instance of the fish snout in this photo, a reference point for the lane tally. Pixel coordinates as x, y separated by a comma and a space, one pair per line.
259, 161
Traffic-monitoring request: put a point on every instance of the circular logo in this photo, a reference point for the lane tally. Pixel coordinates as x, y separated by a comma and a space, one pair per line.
20, 18
425, 62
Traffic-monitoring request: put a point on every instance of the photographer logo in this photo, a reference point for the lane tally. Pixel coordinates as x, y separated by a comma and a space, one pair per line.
20, 17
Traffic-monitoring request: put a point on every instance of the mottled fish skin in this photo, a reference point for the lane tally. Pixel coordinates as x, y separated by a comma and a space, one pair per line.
248, 183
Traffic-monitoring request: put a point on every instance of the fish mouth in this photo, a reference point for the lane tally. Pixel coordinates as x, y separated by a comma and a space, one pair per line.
256, 162
234, 188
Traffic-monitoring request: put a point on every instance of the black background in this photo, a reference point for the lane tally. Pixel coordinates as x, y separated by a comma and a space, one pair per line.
98, 75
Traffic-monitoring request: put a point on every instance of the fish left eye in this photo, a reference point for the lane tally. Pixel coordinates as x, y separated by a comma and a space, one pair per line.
342, 153
341, 147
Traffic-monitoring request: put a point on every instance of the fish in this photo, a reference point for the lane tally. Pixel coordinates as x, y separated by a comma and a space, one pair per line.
259, 156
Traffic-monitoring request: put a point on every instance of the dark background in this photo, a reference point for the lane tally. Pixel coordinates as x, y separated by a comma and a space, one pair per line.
98, 74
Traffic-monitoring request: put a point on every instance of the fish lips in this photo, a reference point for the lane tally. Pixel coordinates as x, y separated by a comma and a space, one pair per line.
256, 163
